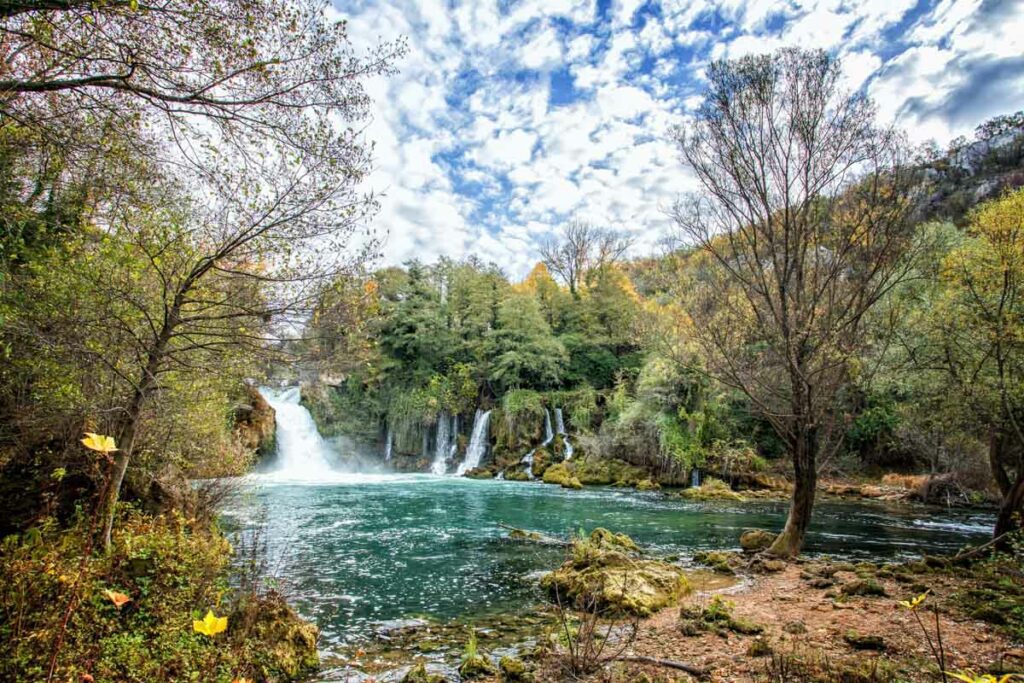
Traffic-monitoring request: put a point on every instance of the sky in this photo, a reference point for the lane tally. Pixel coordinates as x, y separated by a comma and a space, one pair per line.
509, 118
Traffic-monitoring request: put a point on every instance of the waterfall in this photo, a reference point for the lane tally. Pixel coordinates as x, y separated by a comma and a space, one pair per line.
549, 436
447, 442
301, 451
477, 442
695, 477
389, 446
560, 422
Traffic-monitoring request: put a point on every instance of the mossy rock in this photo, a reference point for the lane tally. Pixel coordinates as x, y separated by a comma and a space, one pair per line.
759, 648
541, 462
605, 571
289, 644
561, 475
516, 474
593, 473
864, 642
716, 617
419, 674
711, 489
795, 628
756, 540
647, 485
476, 667
604, 538
513, 670
479, 473
716, 559
867, 587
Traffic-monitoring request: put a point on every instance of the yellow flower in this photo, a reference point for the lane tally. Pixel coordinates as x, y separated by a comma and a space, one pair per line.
210, 625
971, 677
99, 443
916, 602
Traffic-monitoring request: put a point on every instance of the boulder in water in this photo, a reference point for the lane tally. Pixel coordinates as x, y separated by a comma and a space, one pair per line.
479, 473
711, 489
756, 540
419, 674
560, 474
606, 572
516, 473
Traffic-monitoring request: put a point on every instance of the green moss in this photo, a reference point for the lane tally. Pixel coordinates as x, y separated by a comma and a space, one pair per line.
864, 642
647, 485
711, 489
866, 587
605, 571
716, 617
513, 669
560, 474
756, 540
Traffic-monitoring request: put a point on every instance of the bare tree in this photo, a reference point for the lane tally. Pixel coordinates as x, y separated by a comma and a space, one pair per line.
243, 114
803, 220
582, 252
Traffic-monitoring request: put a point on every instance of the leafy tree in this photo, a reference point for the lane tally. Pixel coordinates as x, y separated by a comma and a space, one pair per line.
525, 353
804, 219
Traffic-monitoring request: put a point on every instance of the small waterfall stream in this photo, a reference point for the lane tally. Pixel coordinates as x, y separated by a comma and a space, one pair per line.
389, 446
301, 451
549, 436
560, 422
446, 443
477, 442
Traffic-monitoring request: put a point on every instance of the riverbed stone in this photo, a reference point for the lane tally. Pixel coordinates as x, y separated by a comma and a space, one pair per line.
560, 474
604, 572
756, 540
711, 489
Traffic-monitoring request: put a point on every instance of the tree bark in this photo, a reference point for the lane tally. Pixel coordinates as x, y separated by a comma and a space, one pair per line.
995, 461
130, 425
788, 543
1011, 512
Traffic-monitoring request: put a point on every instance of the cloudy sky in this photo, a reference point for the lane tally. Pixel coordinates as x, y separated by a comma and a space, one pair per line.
509, 117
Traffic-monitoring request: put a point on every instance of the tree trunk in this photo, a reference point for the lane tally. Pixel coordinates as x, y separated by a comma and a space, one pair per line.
130, 425
995, 461
1011, 512
788, 543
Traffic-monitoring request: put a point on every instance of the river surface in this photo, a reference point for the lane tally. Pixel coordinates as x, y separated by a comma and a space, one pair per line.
353, 550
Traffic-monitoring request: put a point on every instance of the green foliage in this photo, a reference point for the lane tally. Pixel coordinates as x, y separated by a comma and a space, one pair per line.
172, 572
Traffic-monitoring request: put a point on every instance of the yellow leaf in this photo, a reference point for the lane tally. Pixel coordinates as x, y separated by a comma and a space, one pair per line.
916, 602
210, 625
119, 599
99, 443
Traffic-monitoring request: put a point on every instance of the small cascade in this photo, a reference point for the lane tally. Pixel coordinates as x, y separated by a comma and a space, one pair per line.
301, 452
446, 443
560, 423
549, 436
695, 477
389, 444
477, 442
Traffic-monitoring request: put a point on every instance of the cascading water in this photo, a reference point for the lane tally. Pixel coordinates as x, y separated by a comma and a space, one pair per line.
549, 436
560, 422
389, 446
301, 451
695, 477
447, 444
477, 442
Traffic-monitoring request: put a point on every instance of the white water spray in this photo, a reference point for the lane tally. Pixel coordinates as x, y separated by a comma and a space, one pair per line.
447, 442
389, 447
477, 442
301, 451
560, 422
549, 436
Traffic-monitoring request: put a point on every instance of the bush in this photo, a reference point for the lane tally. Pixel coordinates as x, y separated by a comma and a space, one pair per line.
172, 572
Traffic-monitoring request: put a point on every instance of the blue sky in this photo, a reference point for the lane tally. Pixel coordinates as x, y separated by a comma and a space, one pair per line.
510, 117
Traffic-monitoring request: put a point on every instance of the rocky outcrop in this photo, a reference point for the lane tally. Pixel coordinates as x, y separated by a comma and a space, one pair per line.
254, 423
561, 475
607, 572
711, 489
289, 649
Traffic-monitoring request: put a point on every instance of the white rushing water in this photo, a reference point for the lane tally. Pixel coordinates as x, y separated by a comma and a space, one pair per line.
389, 447
477, 442
549, 436
560, 422
447, 442
302, 454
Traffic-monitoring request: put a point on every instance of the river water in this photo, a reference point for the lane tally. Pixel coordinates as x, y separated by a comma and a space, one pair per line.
352, 550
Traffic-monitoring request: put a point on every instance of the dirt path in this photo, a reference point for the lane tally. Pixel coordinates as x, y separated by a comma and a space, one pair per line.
814, 622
